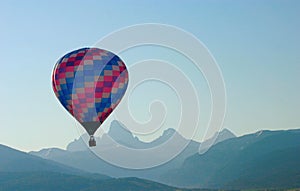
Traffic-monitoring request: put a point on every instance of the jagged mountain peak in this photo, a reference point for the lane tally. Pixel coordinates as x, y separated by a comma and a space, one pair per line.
226, 131
169, 132
216, 138
119, 132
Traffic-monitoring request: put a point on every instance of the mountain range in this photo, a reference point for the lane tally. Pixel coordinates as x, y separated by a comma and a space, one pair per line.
22, 171
266, 159
262, 160
12, 160
79, 156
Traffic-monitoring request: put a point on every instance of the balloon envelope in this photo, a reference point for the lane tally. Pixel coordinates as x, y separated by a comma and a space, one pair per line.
90, 83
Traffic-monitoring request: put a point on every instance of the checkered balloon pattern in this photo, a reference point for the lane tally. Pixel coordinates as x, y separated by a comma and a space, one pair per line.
90, 83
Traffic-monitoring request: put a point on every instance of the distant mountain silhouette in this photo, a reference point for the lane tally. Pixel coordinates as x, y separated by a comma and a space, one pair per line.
22, 171
123, 136
120, 134
266, 159
12, 160
216, 138
78, 155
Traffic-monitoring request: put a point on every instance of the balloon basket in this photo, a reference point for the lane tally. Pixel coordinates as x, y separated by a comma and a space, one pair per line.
92, 141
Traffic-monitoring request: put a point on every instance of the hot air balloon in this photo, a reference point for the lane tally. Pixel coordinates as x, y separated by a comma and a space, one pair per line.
90, 83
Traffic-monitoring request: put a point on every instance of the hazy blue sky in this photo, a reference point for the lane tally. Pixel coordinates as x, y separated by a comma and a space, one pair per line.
255, 43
